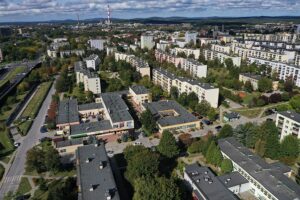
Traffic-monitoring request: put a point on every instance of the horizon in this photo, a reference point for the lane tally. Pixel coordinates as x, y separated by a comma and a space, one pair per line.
55, 10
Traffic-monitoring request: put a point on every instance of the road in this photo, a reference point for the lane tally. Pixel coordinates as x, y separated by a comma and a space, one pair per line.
12, 178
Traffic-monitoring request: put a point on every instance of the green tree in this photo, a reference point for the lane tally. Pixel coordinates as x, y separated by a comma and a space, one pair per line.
183, 99
130, 151
156, 92
214, 155
192, 100
212, 114
226, 166
203, 108
148, 121
157, 188
289, 147
174, 93
295, 103
35, 160
226, 131
196, 147
248, 86
52, 159
264, 84
247, 134
144, 164
167, 145
63, 190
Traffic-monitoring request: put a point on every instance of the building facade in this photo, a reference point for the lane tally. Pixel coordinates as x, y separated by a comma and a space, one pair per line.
288, 123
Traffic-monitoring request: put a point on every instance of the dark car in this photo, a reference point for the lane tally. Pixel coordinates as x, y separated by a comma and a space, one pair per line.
218, 128
43, 129
207, 122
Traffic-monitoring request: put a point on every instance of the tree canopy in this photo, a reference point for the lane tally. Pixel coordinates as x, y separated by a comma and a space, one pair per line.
167, 145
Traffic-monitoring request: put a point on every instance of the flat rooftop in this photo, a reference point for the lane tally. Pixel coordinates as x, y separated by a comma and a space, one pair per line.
139, 89
67, 112
271, 177
90, 127
89, 174
169, 113
291, 115
90, 106
232, 179
208, 184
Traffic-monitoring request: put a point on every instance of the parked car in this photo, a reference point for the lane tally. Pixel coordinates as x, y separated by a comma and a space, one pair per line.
206, 122
17, 144
43, 129
218, 128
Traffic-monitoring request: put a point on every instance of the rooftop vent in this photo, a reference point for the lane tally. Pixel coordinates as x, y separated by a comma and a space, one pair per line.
88, 160
228, 179
210, 182
101, 165
93, 187
107, 195
198, 180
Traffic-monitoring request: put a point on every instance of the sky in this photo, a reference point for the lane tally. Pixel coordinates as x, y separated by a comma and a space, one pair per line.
43, 10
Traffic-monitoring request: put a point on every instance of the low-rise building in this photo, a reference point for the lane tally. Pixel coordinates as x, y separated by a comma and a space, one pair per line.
91, 80
67, 147
205, 185
267, 181
92, 61
140, 66
204, 91
67, 114
190, 37
254, 79
139, 95
288, 123
95, 177
171, 116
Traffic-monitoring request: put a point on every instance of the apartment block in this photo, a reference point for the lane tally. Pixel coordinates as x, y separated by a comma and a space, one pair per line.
92, 62
139, 95
267, 181
211, 55
254, 78
70, 52
147, 41
95, 178
190, 37
97, 44
191, 66
140, 66
204, 91
123, 56
91, 80
283, 70
188, 52
288, 123
221, 48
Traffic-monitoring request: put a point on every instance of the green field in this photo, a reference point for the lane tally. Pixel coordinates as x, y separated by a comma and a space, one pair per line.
6, 145
5, 114
35, 103
12, 74
250, 113
24, 186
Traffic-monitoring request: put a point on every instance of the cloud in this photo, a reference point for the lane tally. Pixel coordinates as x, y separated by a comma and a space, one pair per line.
154, 7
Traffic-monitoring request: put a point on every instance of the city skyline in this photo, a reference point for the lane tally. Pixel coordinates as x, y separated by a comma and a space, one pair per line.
44, 10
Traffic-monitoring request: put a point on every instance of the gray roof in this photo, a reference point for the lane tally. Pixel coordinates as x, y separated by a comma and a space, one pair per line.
71, 142
81, 68
89, 173
139, 89
67, 112
253, 76
291, 115
116, 107
205, 86
232, 179
92, 57
90, 127
208, 184
183, 115
267, 175
90, 106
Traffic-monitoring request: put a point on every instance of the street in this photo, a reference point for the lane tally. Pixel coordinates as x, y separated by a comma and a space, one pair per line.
12, 178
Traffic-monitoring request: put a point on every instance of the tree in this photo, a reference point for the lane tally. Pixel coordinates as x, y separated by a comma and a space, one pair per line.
229, 63
156, 189
148, 121
167, 145
63, 190
185, 139
203, 108
52, 159
226, 166
226, 131
214, 155
275, 98
35, 160
174, 93
295, 103
156, 92
144, 164
114, 85
212, 114
246, 134
192, 100
289, 84
196, 147
265, 84
131, 151
289, 147
248, 86
183, 99
260, 147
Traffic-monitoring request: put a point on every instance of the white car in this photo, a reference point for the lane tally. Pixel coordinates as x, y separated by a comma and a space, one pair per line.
17, 144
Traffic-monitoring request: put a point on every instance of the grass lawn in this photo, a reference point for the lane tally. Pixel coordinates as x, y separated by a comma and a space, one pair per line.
24, 186
41, 195
5, 159
250, 113
10, 75
6, 114
6, 144
249, 97
25, 126
35, 103
2, 170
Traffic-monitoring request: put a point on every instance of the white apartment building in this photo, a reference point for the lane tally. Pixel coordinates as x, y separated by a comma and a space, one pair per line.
211, 55
57, 40
220, 48
97, 44
70, 52
204, 91
297, 60
140, 66
206, 41
123, 56
194, 68
187, 51
283, 70
267, 181
90, 79
191, 66
190, 37
288, 123
162, 45
147, 41
92, 61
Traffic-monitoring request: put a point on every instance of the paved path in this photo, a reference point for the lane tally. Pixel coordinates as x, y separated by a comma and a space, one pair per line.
12, 178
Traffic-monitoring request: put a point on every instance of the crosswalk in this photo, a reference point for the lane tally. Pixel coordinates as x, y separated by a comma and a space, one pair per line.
11, 179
